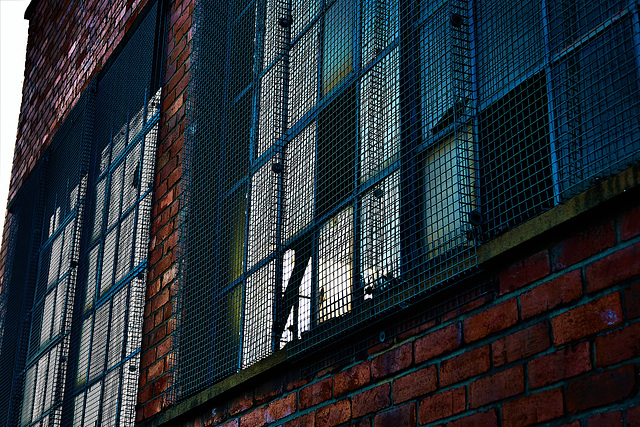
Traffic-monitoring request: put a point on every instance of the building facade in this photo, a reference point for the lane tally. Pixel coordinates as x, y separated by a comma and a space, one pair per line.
347, 212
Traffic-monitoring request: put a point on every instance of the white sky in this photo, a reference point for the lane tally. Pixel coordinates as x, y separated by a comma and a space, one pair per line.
13, 46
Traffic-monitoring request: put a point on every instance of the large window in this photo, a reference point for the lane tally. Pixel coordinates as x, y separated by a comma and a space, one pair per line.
368, 147
88, 206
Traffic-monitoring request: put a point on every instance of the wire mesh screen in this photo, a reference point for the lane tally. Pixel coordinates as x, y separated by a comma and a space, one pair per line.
83, 272
345, 157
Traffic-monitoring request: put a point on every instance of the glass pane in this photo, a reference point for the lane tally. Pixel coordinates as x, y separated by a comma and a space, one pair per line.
99, 201
270, 123
92, 405
379, 27
116, 335
380, 242
92, 277
510, 44
115, 194
83, 353
61, 309
125, 246
335, 266
380, 116
110, 399
131, 183
303, 11
99, 343
54, 264
27, 396
339, 35
233, 235
300, 168
262, 223
47, 318
78, 408
303, 82
258, 315
108, 259
445, 210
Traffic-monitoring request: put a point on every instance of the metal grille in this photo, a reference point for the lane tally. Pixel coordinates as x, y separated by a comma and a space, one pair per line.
344, 158
84, 290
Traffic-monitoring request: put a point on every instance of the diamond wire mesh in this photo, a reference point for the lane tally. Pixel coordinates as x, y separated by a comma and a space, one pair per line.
346, 157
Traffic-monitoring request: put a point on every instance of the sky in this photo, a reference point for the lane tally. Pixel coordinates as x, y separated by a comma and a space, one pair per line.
13, 46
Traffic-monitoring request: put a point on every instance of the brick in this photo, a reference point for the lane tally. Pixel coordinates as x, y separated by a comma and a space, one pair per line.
600, 389
334, 414
437, 343
632, 301
466, 365
524, 272
562, 364
442, 405
316, 393
399, 416
232, 423
465, 308
521, 344
155, 370
351, 379
496, 387
268, 390
613, 268
241, 403
536, 408
392, 361
549, 295
153, 407
633, 417
607, 419
587, 319
583, 245
484, 419
370, 401
306, 420
491, 320
281, 408
365, 422
255, 418
415, 384
630, 224
618, 346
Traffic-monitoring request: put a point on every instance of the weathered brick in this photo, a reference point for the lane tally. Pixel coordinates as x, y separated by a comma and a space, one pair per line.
232, 423
415, 384
241, 403
496, 387
370, 401
155, 370
524, 343
536, 408
549, 295
334, 414
632, 301
524, 272
618, 346
351, 379
587, 319
392, 361
582, 245
613, 268
306, 420
399, 416
484, 419
600, 389
466, 365
562, 364
630, 224
633, 417
316, 393
491, 320
608, 419
282, 407
442, 405
438, 342
255, 418
268, 390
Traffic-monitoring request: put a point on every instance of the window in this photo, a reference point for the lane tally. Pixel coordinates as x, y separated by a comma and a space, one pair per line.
374, 147
89, 201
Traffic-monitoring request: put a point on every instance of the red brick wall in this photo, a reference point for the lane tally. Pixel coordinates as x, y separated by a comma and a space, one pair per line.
559, 344
159, 321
